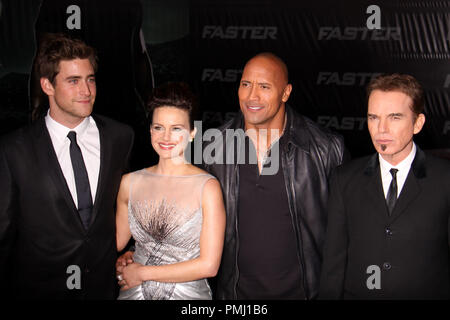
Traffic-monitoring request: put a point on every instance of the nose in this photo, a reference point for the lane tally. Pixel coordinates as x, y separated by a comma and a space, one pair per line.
85, 90
253, 93
166, 136
383, 126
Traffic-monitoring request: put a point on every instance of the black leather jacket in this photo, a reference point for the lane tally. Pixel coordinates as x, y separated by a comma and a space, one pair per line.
308, 157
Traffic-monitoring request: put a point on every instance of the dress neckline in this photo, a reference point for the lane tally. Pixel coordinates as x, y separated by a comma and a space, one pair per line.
173, 175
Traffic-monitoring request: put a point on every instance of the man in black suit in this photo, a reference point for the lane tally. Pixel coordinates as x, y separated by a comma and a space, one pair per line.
59, 180
388, 227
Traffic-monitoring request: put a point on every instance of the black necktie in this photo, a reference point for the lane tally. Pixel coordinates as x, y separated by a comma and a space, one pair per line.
81, 180
391, 197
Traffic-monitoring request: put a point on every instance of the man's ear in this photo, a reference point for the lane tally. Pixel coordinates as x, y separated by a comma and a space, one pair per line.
418, 124
286, 92
47, 86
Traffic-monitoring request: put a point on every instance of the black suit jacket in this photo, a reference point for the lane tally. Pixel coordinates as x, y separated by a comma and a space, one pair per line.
41, 233
411, 247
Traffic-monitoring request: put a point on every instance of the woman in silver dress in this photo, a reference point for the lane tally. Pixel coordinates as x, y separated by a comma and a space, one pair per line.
173, 210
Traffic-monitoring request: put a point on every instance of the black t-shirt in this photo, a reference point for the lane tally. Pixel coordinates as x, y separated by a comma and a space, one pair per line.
268, 263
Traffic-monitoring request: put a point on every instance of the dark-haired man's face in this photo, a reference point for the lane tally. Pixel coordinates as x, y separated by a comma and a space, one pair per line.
392, 124
72, 95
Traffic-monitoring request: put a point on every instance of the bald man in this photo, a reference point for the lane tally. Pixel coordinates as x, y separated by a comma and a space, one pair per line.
276, 198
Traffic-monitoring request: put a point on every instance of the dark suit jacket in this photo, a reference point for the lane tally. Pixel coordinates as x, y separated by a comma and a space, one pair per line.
411, 247
41, 233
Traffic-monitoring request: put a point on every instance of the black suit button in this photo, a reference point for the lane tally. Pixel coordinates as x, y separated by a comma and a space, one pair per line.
86, 269
387, 266
388, 231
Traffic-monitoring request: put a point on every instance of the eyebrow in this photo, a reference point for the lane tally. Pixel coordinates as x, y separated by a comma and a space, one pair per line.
79, 77
172, 125
264, 83
398, 114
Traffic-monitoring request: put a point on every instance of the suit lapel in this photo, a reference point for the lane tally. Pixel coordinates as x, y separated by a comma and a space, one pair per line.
411, 189
374, 188
105, 153
48, 162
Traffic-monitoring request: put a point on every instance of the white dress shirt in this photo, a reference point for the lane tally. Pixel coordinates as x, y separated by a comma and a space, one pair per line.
88, 139
403, 170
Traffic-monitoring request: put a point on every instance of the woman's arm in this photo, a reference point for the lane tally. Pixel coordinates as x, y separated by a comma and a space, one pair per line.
211, 244
123, 233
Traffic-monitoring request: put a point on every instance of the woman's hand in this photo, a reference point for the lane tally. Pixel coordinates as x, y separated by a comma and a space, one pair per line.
131, 276
123, 261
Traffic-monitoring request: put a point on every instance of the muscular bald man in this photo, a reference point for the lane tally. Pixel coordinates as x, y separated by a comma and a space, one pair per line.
276, 198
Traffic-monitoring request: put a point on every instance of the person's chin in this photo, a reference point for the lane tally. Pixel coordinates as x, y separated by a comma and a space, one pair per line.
253, 119
168, 154
386, 152
85, 111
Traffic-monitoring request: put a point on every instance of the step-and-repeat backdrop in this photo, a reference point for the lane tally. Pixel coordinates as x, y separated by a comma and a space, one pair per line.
332, 49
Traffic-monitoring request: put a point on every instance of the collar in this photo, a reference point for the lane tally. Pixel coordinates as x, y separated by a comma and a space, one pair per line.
60, 131
403, 165
417, 166
295, 131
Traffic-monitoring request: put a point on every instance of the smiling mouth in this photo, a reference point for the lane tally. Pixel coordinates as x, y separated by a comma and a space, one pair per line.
254, 108
166, 146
